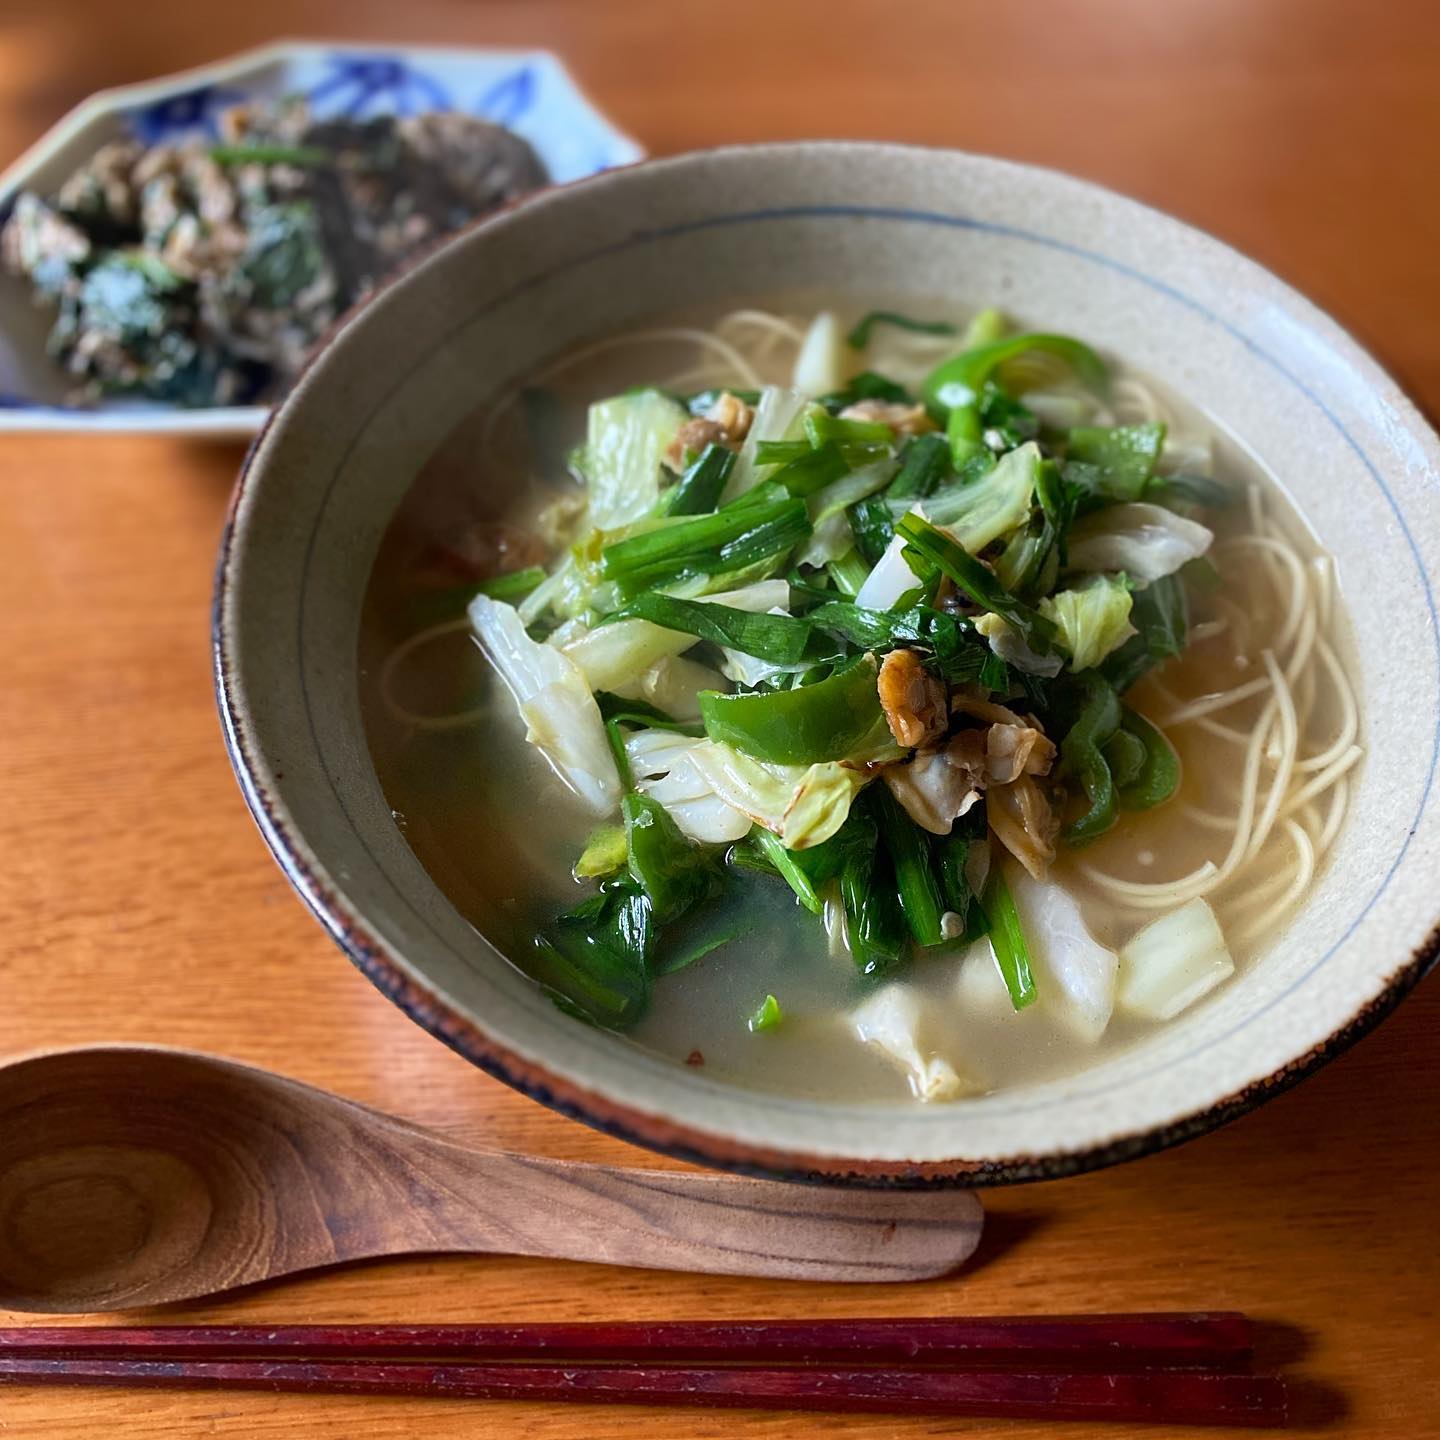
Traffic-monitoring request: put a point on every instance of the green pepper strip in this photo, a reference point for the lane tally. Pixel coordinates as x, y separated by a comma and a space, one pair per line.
1081, 757
825, 721
1159, 774
958, 381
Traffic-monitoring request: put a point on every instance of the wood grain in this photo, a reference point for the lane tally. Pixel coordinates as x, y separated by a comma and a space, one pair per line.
137, 1176
137, 902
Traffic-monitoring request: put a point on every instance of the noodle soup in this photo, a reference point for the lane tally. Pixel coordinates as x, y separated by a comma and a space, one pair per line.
901, 721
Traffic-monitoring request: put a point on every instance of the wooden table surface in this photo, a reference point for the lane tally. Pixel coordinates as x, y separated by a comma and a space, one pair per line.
138, 903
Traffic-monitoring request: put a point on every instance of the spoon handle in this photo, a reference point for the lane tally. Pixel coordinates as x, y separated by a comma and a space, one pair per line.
474, 1200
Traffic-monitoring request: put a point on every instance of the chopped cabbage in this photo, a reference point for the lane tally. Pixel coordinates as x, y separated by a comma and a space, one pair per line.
1172, 962
890, 1020
1093, 619
1074, 973
1146, 541
562, 719
672, 684
1012, 647
664, 770
801, 804
985, 509
626, 438
820, 366
980, 987
613, 656
779, 416
892, 575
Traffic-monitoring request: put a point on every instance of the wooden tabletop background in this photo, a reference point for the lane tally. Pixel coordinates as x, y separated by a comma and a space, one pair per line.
138, 903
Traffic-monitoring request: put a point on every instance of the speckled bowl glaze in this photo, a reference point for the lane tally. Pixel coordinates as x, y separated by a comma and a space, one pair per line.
331, 466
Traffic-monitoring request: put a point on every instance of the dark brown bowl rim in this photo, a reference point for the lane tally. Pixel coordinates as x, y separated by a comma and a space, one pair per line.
692, 1144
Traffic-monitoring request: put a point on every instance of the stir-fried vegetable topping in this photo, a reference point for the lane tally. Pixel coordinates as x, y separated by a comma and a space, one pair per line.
929, 610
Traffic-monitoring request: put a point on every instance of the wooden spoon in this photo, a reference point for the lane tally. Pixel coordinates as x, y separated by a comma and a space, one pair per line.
134, 1176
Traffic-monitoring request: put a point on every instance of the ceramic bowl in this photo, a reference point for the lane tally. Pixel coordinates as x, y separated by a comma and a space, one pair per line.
591, 259
529, 91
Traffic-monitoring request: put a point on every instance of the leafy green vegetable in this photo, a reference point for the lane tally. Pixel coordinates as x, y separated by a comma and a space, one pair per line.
673, 873
924, 467
814, 470
1161, 619
830, 720
301, 156
698, 490
936, 548
780, 639
605, 852
874, 921
1158, 775
872, 523
1001, 415
822, 428
767, 1017
734, 537
784, 863
1092, 619
1199, 490
642, 715
866, 386
1007, 939
1082, 756
915, 880
615, 738
514, 586
595, 961
959, 654
848, 573
951, 853
859, 337
1122, 456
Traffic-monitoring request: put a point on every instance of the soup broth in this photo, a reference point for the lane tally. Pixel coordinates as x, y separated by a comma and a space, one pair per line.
1264, 767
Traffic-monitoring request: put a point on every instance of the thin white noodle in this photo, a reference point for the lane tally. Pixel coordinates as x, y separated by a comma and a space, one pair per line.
1350, 714
1135, 403
1318, 784
1304, 871
1222, 732
398, 656
1289, 733
1209, 704
1197, 816
1339, 801
1295, 573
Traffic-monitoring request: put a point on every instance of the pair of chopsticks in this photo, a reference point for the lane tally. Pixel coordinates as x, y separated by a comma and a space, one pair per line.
1180, 1368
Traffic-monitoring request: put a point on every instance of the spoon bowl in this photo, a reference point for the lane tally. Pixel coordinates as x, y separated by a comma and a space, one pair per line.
136, 1176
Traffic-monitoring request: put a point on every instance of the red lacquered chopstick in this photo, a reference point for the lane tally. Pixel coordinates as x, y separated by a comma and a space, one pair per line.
1176, 1396
1077, 1342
